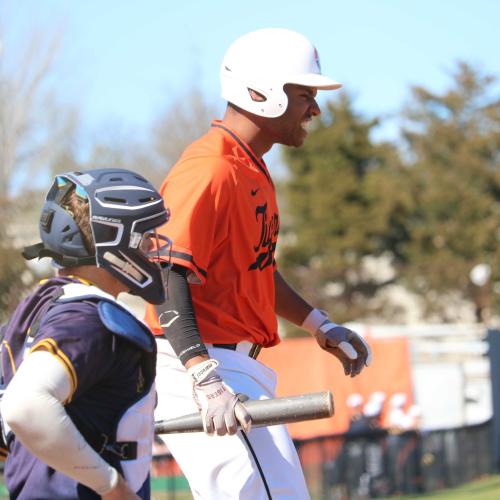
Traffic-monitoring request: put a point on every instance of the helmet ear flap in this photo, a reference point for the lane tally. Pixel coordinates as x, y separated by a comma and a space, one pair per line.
271, 101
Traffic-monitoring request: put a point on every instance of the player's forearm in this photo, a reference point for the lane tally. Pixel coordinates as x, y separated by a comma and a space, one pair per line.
288, 303
196, 360
177, 317
32, 408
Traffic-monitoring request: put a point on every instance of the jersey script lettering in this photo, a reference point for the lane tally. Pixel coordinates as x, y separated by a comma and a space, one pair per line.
268, 235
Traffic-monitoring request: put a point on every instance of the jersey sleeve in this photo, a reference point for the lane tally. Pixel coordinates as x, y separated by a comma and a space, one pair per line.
77, 338
199, 195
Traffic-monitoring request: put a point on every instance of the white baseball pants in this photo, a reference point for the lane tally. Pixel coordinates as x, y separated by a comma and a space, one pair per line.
227, 467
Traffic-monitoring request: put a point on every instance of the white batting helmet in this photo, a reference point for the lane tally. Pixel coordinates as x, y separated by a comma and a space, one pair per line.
264, 61
398, 400
354, 400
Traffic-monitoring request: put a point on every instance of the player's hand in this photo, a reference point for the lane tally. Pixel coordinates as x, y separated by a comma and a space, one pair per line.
350, 348
221, 410
121, 491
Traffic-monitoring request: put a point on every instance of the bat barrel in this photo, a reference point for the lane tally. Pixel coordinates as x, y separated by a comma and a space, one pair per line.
264, 412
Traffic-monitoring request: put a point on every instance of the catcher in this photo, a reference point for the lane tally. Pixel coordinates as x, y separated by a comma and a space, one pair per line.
78, 367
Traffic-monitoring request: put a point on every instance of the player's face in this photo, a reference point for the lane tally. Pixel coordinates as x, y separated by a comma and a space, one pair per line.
291, 128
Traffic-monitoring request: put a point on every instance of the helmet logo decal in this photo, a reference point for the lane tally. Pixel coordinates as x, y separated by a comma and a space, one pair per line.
316, 58
167, 318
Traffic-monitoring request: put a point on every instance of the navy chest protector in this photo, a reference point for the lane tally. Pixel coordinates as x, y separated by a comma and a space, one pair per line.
124, 325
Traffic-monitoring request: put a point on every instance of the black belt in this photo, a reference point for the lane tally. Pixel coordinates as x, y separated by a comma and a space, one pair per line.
252, 353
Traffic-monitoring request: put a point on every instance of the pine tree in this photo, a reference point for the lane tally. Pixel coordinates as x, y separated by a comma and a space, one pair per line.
454, 144
344, 200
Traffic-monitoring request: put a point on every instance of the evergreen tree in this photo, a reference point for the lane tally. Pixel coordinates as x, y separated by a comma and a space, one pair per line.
344, 199
454, 144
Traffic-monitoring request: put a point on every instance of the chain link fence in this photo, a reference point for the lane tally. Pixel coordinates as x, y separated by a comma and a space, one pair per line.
377, 464
381, 464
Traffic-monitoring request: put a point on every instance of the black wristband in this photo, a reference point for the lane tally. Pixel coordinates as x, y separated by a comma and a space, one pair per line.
177, 318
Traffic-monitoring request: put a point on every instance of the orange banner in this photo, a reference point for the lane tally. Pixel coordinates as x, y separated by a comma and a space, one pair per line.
302, 367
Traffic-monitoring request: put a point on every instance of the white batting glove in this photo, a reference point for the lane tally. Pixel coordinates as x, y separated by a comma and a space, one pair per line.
350, 348
221, 410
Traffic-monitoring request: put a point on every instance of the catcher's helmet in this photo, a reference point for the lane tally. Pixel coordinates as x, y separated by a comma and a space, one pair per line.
264, 61
124, 211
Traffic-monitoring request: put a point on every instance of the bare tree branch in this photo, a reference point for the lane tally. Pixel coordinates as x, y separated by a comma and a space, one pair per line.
184, 121
31, 123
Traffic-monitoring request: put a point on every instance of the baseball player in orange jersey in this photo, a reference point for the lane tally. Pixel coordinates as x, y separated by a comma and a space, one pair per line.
225, 290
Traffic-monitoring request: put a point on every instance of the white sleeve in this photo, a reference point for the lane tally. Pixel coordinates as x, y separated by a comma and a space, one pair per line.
32, 408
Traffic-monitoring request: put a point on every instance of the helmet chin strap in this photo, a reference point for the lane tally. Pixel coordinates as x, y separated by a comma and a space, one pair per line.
39, 251
125, 266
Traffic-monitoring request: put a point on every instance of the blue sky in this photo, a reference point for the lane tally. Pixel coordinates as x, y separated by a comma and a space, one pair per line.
122, 61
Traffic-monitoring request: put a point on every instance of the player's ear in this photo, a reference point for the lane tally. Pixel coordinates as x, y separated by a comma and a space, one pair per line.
256, 96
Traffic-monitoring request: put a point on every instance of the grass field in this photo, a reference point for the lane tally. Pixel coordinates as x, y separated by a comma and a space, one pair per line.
482, 489
170, 488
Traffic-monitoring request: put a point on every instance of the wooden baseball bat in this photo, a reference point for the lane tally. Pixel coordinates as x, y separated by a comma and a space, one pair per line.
263, 412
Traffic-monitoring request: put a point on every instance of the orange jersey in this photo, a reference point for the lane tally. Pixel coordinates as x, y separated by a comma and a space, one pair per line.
224, 226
